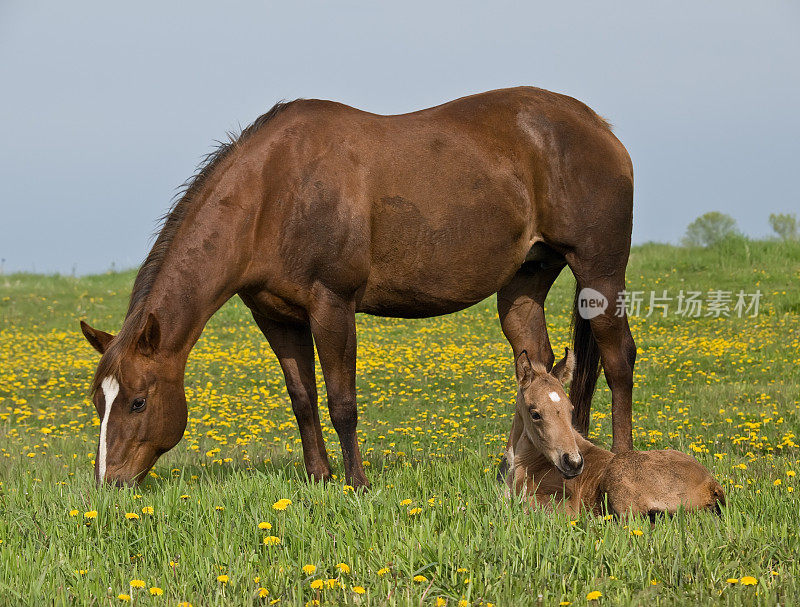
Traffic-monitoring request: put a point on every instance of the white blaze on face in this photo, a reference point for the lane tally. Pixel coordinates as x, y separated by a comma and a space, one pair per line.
110, 388
555, 397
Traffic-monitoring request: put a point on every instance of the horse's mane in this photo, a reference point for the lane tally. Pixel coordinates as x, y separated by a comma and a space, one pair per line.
168, 226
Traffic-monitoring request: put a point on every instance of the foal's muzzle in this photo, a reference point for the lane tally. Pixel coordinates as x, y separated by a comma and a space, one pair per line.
571, 466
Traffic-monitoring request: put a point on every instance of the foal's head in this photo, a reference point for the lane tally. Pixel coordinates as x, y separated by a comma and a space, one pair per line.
139, 397
546, 412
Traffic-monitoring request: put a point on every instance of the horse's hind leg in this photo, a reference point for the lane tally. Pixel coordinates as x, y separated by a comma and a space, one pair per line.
294, 347
613, 336
520, 305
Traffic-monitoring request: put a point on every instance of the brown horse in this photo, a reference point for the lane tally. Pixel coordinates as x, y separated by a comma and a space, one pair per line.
553, 466
319, 211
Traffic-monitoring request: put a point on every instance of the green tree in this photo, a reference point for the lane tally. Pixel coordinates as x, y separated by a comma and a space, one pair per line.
784, 224
709, 229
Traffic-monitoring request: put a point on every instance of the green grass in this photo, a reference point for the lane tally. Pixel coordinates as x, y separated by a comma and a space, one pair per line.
435, 399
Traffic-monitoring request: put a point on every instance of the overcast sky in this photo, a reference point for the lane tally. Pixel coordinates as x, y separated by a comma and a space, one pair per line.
105, 108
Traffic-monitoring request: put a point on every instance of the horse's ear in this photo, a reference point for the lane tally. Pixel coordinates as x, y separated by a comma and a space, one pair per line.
99, 339
524, 369
565, 367
150, 337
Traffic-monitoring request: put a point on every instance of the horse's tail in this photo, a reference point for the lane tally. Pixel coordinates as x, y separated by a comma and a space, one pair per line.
587, 368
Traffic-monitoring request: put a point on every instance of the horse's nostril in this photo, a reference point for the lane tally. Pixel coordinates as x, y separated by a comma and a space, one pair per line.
571, 463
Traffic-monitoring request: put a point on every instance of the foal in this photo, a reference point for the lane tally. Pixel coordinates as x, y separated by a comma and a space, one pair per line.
554, 466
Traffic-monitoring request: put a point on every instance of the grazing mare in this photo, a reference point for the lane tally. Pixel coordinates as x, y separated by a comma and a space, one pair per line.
553, 466
319, 211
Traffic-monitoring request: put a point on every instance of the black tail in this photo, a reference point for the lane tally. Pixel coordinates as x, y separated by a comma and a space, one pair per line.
587, 368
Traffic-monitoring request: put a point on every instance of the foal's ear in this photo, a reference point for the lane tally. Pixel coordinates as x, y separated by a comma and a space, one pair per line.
150, 337
99, 339
524, 369
565, 367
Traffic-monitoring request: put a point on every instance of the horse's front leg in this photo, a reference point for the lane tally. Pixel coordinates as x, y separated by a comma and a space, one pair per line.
333, 324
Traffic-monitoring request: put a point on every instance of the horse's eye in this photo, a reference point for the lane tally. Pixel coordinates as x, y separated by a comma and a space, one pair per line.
535, 415
138, 404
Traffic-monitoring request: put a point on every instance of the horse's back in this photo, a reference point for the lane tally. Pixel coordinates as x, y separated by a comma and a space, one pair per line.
647, 482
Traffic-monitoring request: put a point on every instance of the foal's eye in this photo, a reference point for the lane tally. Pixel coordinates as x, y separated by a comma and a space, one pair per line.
535, 415
138, 404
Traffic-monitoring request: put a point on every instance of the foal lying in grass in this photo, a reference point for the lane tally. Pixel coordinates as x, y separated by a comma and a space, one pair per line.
551, 464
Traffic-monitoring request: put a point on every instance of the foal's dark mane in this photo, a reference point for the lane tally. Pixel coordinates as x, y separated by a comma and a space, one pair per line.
168, 226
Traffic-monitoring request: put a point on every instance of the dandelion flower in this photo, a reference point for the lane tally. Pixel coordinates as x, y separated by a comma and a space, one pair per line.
405, 502
383, 571
309, 569
732, 580
316, 584
223, 579
420, 578
594, 595
272, 540
156, 591
440, 602
344, 568
637, 532
414, 511
131, 516
73, 512
331, 582
282, 504
263, 593
124, 597
359, 589
748, 580
265, 526
137, 583
90, 514
147, 510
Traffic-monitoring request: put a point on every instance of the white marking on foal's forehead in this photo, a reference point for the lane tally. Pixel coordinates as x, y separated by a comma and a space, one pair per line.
554, 397
110, 388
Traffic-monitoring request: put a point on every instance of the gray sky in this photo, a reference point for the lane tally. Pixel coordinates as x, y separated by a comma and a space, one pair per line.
105, 108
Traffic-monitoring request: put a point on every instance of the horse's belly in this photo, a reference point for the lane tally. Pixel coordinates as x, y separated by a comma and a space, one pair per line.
430, 279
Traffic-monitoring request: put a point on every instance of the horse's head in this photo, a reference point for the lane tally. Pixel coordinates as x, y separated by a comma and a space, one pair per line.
546, 412
138, 393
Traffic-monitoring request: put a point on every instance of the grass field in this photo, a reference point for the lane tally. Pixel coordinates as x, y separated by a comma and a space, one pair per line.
435, 398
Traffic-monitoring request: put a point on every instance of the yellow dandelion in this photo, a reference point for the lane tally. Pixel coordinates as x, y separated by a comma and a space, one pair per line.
420, 578
137, 583
282, 504
309, 569
131, 516
414, 511
440, 602
405, 502
359, 589
565, 603
594, 595
223, 579
732, 580
383, 571
147, 510
637, 532
74, 512
156, 591
343, 567
124, 597
184, 497
184, 604
316, 584
90, 514
331, 582
264, 526
748, 580
263, 593
272, 540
